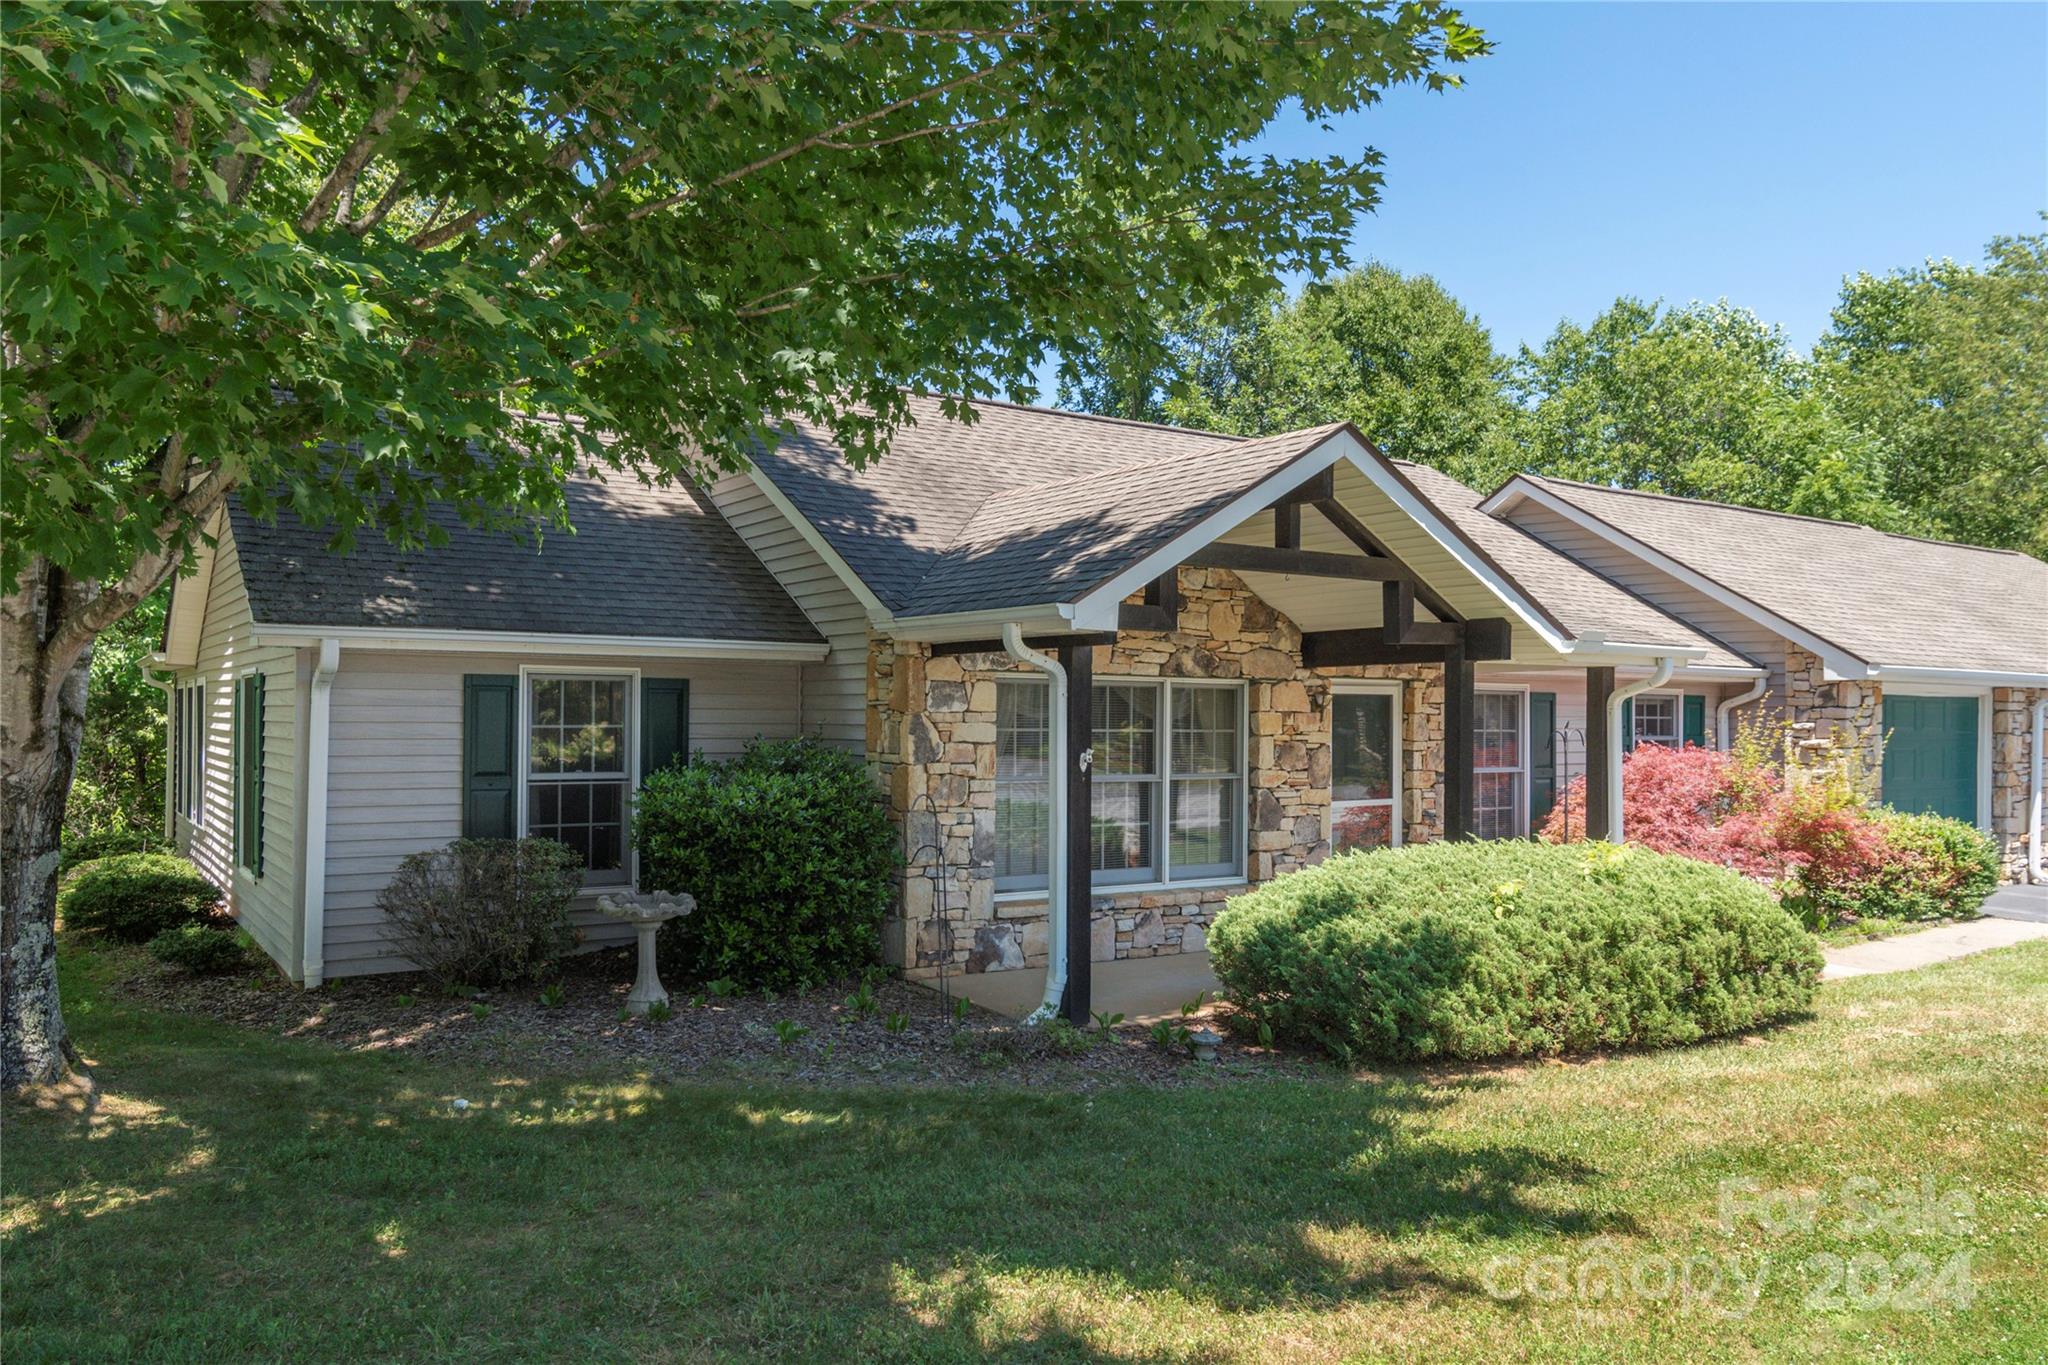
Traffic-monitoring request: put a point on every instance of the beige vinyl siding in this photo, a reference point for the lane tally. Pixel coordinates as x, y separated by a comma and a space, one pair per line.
1655, 586
266, 906
835, 688
395, 768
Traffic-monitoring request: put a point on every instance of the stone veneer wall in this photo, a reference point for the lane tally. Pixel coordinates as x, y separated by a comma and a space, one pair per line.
931, 737
1859, 706
1832, 707
2012, 744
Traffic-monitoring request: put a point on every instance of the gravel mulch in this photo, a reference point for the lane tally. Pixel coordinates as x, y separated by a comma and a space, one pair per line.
910, 1037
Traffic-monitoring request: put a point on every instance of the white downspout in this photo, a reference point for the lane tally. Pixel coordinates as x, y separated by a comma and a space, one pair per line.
169, 687
1666, 666
313, 967
1723, 734
1056, 871
2037, 863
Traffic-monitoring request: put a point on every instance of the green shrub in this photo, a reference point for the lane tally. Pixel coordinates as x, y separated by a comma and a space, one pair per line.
136, 896
1926, 867
201, 949
789, 854
1509, 949
484, 912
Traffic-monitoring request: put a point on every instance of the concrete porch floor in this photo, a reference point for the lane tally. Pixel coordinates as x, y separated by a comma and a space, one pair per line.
1143, 989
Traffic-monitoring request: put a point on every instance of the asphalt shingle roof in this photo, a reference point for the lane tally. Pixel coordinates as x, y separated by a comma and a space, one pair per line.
653, 563
1890, 600
1583, 602
937, 505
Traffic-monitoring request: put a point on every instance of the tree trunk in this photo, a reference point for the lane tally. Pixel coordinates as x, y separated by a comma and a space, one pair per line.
42, 721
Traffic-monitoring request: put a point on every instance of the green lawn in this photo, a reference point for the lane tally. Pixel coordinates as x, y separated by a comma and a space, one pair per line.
241, 1196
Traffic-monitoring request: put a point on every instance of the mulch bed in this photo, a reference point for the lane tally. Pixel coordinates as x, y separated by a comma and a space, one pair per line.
710, 1038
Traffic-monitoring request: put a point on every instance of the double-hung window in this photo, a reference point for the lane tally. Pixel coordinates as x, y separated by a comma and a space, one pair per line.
578, 766
1167, 783
1499, 765
1656, 719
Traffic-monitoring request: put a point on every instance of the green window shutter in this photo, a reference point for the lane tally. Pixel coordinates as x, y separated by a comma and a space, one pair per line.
1542, 757
239, 796
248, 745
490, 756
1628, 725
1695, 731
664, 723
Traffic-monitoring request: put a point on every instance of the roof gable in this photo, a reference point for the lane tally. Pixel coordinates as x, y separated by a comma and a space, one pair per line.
1861, 598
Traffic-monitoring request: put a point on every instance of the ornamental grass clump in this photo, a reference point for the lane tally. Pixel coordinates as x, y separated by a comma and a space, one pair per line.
1510, 949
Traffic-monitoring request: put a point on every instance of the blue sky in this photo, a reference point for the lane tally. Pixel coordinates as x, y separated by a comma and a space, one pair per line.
1756, 152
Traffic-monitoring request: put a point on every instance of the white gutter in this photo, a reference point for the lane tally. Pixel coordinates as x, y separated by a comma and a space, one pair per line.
1056, 872
2037, 864
313, 966
1665, 667
1963, 676
169, 687
526, 642
1723, 738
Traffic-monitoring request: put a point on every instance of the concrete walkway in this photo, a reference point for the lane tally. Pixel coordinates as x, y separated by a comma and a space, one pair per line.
1927, 947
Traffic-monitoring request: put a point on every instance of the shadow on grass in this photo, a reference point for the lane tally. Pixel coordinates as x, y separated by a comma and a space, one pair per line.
253, 1191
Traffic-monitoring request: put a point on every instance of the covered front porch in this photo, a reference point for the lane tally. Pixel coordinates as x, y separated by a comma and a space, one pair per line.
1317, 665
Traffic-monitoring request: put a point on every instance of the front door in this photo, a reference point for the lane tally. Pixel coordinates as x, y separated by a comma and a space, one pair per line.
1365, 766
1930, 755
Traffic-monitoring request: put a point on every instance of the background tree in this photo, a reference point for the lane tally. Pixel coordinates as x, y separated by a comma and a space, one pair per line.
117, 796
237, 234
1704, 401
1394, 354
1944, 369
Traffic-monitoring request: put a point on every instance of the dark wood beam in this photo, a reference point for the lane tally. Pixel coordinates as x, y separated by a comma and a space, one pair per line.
1316, 488
1355, 531
1489, 639
1132, 616
1301, 563
1038, 642
1397, 611
1338, 648
1164, 591
1079, 661
1287, 526
1459, 705
1598, 815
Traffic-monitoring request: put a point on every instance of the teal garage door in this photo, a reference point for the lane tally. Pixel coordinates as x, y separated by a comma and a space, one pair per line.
1930, 755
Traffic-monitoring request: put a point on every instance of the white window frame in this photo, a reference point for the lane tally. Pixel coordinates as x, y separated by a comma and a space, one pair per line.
527, 673
1372, 688
1164, 780
1677, 700
1520, 690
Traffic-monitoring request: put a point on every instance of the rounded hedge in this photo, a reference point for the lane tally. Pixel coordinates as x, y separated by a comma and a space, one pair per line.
136, 896
789, 854
201, 949
1511, 948
1928, 867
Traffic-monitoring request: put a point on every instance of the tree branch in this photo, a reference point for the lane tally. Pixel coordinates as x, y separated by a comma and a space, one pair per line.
350, 167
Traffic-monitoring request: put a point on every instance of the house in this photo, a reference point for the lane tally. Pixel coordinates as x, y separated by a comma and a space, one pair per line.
1107, 673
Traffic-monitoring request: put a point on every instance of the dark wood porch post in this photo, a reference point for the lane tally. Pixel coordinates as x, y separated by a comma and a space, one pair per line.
1458, 708
1079, 661
1599, 813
